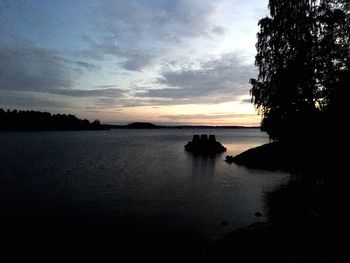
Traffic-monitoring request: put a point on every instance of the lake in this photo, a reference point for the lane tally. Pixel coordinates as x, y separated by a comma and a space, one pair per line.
139, 182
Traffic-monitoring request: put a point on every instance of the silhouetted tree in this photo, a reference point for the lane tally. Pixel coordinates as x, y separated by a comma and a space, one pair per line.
95, 125
333, 57
303, 61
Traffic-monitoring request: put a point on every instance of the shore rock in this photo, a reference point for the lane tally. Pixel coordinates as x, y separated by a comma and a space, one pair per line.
272, 156
229, 159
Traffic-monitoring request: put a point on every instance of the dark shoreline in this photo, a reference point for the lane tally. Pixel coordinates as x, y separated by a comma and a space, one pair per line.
303, 222
273, 156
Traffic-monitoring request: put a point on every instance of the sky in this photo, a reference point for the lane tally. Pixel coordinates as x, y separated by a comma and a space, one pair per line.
120, 61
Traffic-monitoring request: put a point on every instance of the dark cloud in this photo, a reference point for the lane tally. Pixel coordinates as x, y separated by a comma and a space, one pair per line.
31, 76
106, 86
33, 69
107, 103
28, 101
223, 78
26, 67
111, 92
105, 47
219, 30
133, 60
137, 62
85, 65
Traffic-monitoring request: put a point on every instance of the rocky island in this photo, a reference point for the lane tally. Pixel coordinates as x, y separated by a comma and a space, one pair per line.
204, 145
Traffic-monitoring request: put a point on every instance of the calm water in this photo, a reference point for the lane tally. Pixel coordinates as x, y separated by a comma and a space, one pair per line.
141, 181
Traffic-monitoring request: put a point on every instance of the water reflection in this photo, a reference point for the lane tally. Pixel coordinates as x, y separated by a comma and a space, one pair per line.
202, 175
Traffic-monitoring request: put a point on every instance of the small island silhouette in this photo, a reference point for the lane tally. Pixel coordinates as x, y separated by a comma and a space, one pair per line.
204, 145
141, 125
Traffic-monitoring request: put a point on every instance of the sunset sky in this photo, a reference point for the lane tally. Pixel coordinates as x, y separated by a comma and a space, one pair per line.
163, 61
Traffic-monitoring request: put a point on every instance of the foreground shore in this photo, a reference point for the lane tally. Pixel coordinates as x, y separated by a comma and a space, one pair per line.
304, 215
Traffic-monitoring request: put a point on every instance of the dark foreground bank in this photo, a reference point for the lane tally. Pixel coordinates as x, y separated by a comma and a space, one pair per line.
96, 242
305, 215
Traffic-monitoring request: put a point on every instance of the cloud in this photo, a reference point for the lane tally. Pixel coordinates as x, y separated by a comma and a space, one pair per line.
219, 30
214, 116
111, 92
32, 76
134, 60
170, 19
40, 70
27, 67
85, 65
219, 79
105, 47
32, 69
140, 31
137, 62
28, 101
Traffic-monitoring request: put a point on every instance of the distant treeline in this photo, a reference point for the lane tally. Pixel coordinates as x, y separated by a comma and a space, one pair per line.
39, 121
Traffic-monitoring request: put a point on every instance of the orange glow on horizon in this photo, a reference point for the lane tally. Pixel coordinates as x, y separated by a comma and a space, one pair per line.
223, 114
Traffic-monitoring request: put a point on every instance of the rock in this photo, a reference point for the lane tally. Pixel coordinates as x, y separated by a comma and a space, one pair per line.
229, 159
258, 214
224, 223
204, 145
270, 156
